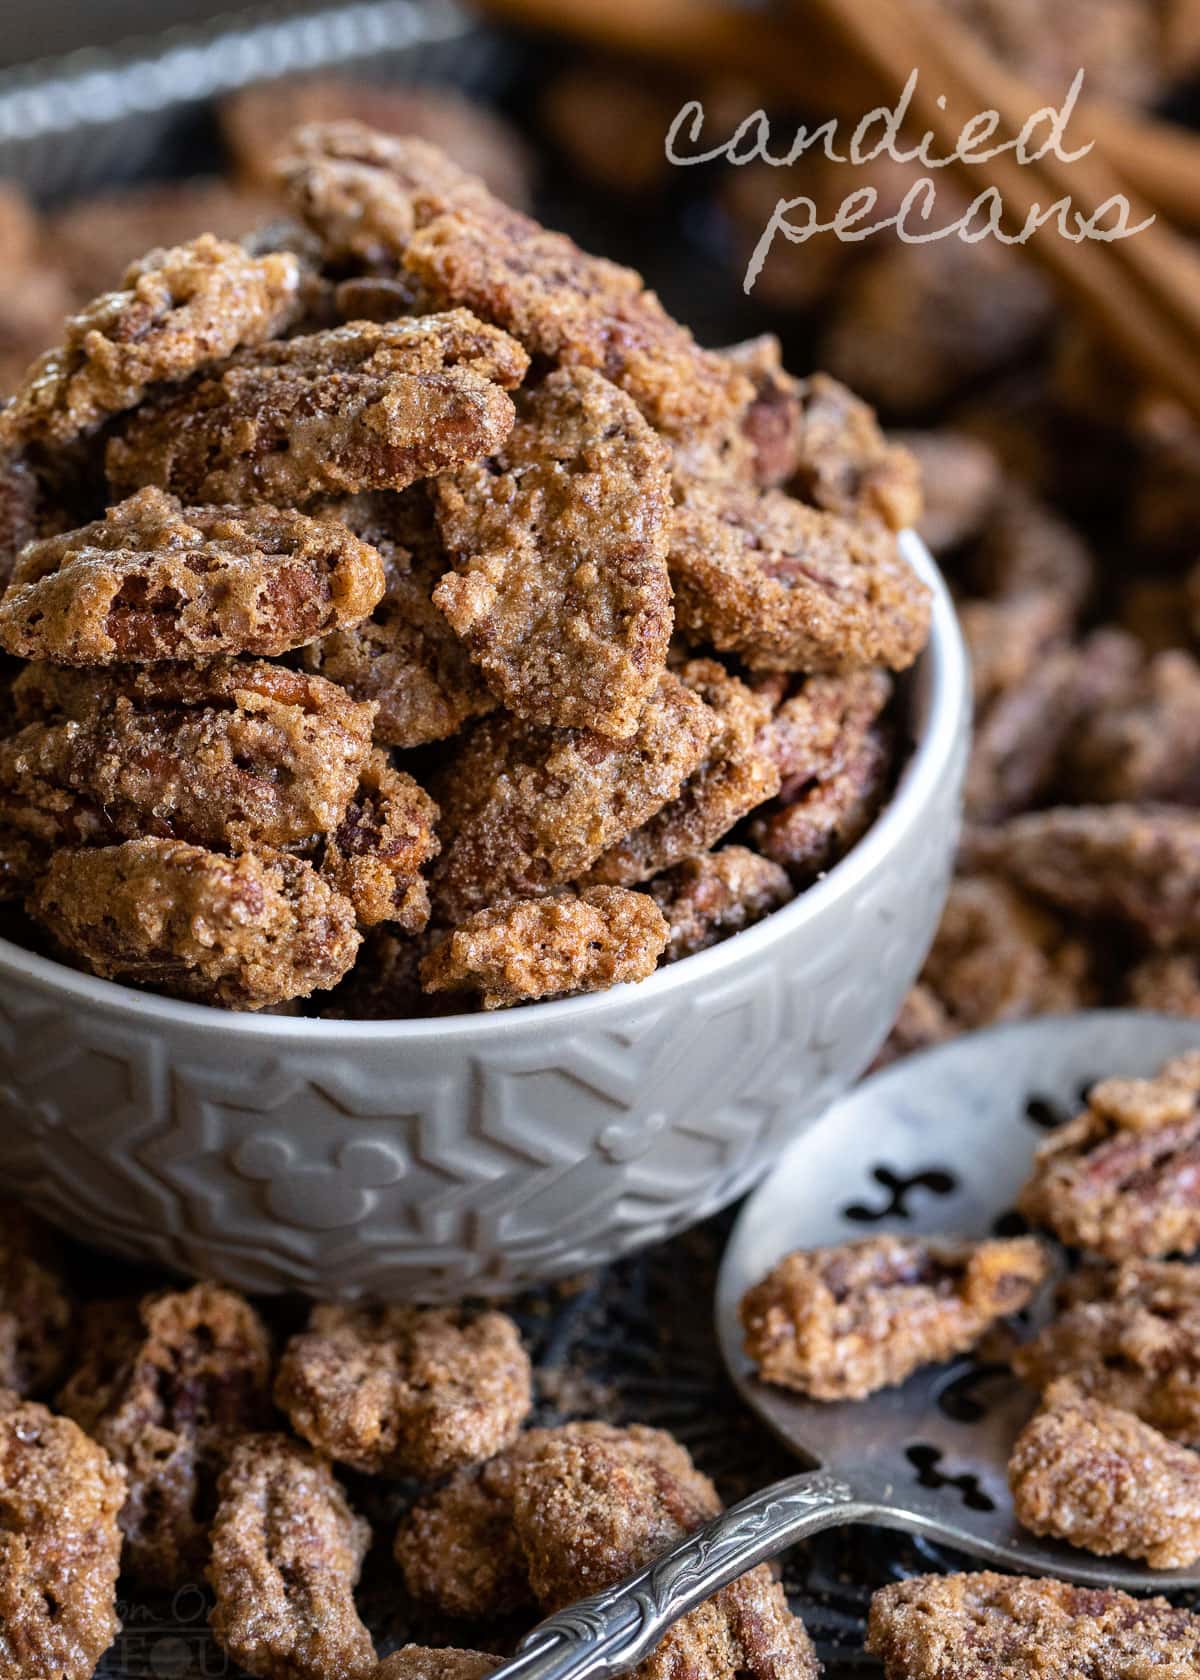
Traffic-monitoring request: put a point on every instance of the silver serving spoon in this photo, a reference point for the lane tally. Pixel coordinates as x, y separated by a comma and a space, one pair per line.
939, 1144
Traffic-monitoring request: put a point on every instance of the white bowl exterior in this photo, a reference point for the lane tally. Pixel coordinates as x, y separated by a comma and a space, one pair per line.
474, 1155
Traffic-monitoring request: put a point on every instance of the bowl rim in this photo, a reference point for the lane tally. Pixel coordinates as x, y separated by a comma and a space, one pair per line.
944, 665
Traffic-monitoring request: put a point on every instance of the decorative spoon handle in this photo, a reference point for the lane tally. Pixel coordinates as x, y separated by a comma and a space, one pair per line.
613, 1630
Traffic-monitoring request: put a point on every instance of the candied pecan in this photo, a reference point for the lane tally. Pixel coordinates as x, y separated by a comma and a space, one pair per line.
1020, 741
235, 754
787, 586
376, 297
738, 773
375, 854
94, 239
358, 189
20, 503
998, 957
255, 121
420, 1662
560, 589
367, 406
1137, 864
591, 1504
1009, 638
574, 1509
555, 946
286, 1555
405, 657
457, 1548
156, 581
772, 425
839, 1323
960, 484
1102, 1479
706, 899
177, 311
835, 767
369, 195
35, 1312
60, 1547
247, 932
1025, 546
1006, 1627
914, 324
1169, 981
1145, 744
845, 465
526, 809
405, 1391
811, 730
165, 1384
1130, 1336
1120, 1178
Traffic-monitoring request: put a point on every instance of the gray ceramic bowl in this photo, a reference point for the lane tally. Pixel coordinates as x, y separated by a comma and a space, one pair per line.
476, 1154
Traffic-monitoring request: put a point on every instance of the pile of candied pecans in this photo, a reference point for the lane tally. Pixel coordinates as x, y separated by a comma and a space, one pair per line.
408, 606
187, 1444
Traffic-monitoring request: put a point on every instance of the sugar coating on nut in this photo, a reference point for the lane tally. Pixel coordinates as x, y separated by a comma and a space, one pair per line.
366, 406
845, 464
457, 1548
840, 1323
358, 190
1005, 1627
835, 763
526, 809
35, 1310
792, 587
560, 588
555, 946
165, 1384
1128, 1335
593, 1503
738, 773
420, 1662
405, 1391
60, 1546
1101, 1479
247, 932
404, 658
1136, 864
466, 247
286, 1554
376, 851
237, 753
1120, 1178
154, 581
177, 311
707, 898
